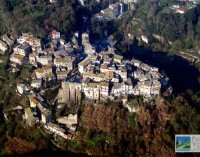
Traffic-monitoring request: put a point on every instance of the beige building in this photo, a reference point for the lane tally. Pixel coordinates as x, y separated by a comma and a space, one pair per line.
95, 77
61, 75
45, 60
30, 119
33, 102
70, 121
145, 87
104, 88
22, 50
46, 116
91, 91
36, 83
82, 65
44, 71
33, 58
66, 61
18, 59
118, 58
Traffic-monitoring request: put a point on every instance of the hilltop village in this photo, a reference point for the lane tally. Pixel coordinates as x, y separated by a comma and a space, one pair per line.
80, 72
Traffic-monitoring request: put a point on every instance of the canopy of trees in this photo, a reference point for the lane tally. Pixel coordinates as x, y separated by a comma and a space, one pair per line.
170, 25
37, 17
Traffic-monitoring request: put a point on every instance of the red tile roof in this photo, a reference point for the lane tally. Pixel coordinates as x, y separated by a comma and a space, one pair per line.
69, 136
53, 31
181, 9
100, 14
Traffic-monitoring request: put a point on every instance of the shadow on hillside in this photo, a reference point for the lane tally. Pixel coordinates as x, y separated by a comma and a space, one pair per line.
58, 153
183, 75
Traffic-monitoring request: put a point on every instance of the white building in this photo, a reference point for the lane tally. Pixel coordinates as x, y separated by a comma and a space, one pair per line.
33, 58
42, 72
82, 2
22, 50
55, 34
82, 65
70, 121
104, 88
91, 91
44, 60
30, 119
18, 59
46, 116
118, 58
21, 88
145, 39
145, 88
36, 83
56, 129
181, 10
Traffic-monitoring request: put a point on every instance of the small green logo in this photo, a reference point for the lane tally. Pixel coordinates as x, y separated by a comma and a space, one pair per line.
183, 143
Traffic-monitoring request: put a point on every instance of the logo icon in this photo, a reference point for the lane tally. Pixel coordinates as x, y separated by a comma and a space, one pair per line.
182, 143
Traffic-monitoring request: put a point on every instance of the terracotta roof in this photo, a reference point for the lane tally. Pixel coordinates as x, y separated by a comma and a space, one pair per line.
40, 70
100, 14
59, 60
28, 111
181, 9
19, 57
34, 100
92, 85
70, 136
84, 62
36, 51
104, 84
49, 75
104, 66
62, 73
110, 74
48, 67
33, 55
53, 31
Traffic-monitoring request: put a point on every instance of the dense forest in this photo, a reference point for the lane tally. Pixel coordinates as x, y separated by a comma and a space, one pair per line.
152, 18
172, 26
183, 30
37, 16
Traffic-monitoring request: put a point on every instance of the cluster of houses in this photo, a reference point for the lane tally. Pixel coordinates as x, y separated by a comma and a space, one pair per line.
50, 64
114, 10
38, 112
82, 72
54, 63
183, 5
106, 75
5, 43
